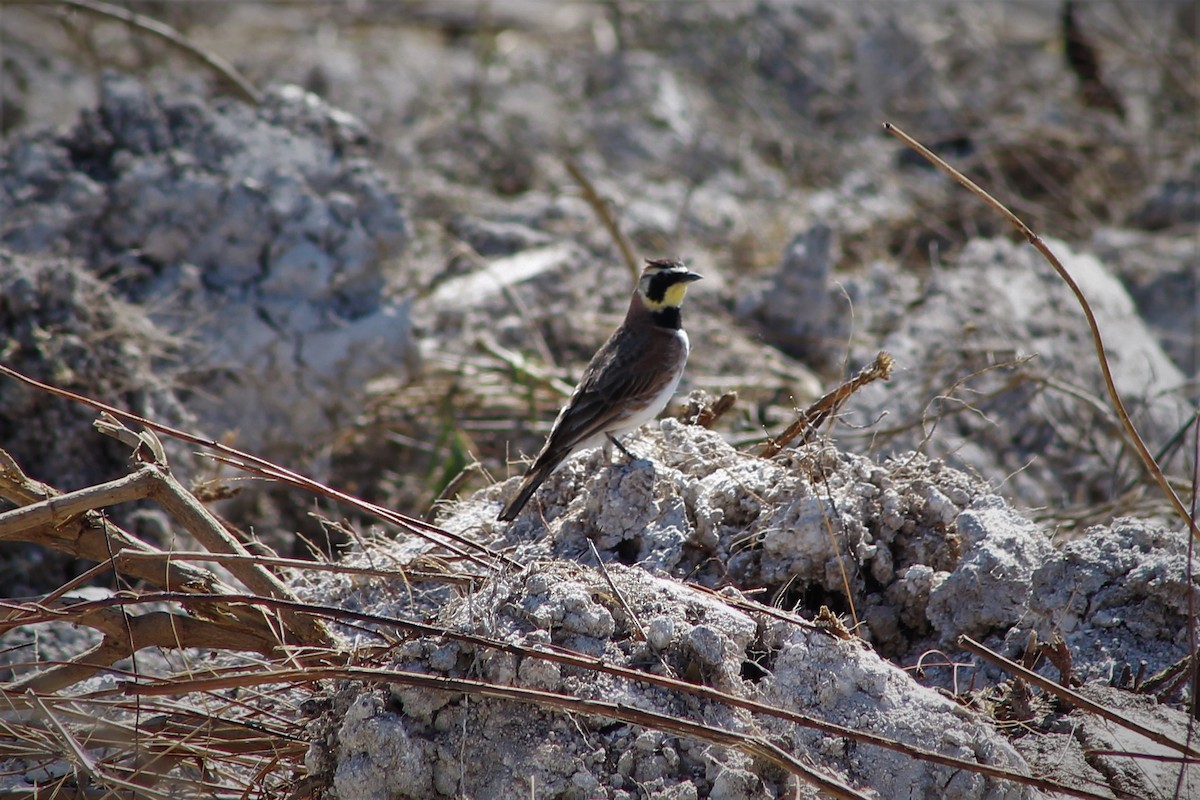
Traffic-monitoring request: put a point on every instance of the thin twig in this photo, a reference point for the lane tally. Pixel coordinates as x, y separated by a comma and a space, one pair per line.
950, 403
615, 590
126, 556
603, 210
141, 22
1097, 340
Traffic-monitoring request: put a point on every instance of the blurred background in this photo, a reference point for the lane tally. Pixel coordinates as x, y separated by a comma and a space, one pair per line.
385, 257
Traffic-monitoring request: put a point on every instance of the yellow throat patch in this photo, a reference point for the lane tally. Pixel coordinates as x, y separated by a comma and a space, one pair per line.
672, 298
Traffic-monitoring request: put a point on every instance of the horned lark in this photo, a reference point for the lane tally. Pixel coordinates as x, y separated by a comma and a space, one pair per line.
629, 381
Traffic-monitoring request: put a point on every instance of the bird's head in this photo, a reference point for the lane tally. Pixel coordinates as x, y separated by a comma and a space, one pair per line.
664, 282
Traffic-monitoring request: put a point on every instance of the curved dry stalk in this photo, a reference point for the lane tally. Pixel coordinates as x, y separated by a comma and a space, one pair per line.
1143, 451
603, 210
141, 22
618, 711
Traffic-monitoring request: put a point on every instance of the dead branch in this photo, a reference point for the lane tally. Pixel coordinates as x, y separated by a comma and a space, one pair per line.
154, 483
808, 421
89, 535
59, 509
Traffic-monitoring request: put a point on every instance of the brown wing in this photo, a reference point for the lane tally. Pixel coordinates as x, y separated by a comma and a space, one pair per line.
617, 378
588, 413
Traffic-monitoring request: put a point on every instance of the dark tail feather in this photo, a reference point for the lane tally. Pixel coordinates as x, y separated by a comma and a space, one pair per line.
533, 479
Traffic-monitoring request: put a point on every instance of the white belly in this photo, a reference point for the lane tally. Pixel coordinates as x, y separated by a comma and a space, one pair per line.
664, 397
